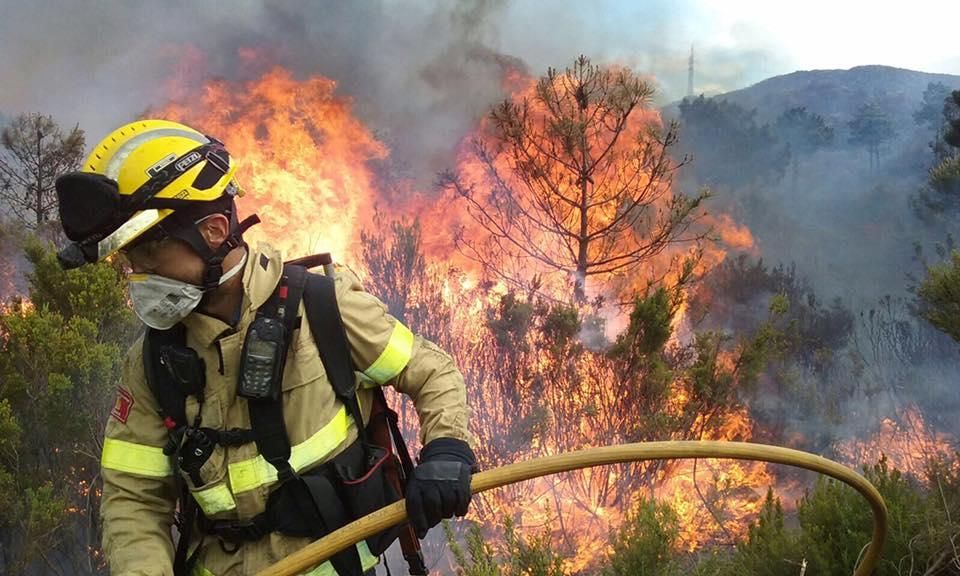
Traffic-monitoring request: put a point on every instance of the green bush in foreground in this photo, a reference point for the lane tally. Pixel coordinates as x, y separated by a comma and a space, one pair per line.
836, 523
530, 556
645, 542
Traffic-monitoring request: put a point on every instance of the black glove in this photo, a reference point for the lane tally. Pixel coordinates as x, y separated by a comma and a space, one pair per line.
440, 485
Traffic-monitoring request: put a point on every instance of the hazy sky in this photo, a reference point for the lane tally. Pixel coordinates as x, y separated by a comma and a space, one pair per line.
740, 42
917, 34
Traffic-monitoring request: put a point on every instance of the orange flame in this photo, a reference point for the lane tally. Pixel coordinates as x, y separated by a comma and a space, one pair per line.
303, 158
906, 441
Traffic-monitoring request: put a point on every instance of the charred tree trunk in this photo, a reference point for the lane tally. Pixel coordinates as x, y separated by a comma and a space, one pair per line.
580, 281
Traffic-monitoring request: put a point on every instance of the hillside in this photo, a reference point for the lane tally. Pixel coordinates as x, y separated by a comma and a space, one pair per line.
836, 94
849, 229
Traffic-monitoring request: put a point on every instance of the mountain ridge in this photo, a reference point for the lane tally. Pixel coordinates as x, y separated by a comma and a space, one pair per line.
835, 94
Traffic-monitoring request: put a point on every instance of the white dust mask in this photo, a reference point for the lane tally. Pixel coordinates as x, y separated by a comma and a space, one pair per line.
161, 302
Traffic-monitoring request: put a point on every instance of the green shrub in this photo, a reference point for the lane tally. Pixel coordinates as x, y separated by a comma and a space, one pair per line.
770, 548
519, 556
645, 544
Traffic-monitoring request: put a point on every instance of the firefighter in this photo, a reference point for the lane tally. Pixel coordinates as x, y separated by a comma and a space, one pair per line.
162, 195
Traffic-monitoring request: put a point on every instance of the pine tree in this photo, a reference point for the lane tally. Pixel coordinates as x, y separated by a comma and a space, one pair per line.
804, 133
35, 151
728, 146
871, 128
575, 178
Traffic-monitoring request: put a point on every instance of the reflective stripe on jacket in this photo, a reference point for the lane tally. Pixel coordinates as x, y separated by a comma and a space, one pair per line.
139, 491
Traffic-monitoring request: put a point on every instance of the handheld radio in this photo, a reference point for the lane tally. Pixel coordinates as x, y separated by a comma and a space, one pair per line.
261, 363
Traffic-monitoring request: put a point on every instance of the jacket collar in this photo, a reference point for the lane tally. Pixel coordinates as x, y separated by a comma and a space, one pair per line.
261, 275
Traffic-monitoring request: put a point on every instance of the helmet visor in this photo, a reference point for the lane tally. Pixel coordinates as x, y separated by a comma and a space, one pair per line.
129, 231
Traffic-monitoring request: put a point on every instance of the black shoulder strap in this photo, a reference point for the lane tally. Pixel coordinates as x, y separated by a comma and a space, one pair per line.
323, 315
170, 393
266, 416
326, 324
171, 397
170, 403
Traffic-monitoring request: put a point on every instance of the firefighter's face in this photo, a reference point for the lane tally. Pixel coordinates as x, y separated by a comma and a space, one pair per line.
169, 257
173, 258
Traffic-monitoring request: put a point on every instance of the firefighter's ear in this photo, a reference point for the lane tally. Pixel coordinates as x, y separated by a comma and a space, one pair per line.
215, 229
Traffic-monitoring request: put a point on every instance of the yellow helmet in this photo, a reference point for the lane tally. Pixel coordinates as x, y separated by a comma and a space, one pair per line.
142, 174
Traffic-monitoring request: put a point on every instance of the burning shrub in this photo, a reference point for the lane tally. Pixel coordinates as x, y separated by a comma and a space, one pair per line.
814, 372
733, 294
824, 536
835, 525
769, 548
650, 325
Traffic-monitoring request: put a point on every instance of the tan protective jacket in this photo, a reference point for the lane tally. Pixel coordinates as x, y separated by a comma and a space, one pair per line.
138, 487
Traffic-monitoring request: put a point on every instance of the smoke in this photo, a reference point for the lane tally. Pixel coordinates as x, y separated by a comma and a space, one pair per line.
420, 74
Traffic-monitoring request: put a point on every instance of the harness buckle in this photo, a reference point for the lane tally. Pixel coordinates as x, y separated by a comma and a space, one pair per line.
236, 532
285, 472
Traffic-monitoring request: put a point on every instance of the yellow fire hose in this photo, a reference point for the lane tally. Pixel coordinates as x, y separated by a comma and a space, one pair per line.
319, 551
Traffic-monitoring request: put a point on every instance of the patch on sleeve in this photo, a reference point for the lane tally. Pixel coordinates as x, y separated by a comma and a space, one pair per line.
121, 409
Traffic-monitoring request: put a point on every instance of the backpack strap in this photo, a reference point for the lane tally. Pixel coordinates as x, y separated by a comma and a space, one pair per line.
266, 416
164, 351
174, 372
326, 324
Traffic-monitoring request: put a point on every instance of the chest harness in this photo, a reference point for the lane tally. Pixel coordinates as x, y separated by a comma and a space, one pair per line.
369, 474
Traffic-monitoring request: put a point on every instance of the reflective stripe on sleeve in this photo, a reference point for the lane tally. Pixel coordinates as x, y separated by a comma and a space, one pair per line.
135, 458
215, 500
394, 357
254, 472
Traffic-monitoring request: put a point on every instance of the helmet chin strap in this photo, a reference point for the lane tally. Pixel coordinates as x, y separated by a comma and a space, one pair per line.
213, 259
